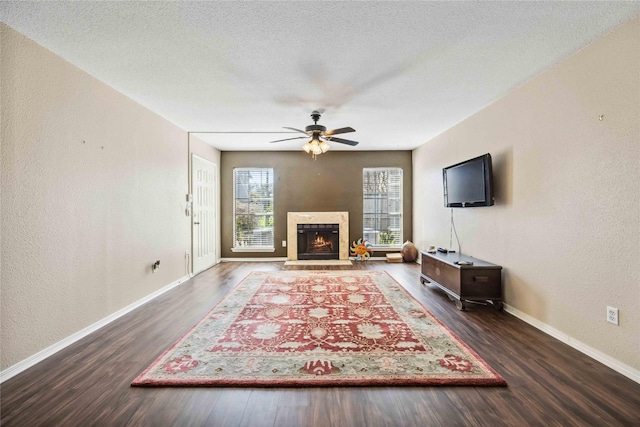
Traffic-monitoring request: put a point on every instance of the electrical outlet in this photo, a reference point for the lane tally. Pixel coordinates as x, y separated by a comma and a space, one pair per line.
612, 315
284, 243
186, 254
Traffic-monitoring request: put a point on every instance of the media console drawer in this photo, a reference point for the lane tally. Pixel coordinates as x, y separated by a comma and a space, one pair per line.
481, 281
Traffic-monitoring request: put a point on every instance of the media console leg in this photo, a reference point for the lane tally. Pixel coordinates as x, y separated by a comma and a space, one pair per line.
460, 305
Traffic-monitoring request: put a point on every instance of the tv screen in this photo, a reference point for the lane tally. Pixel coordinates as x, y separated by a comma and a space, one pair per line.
469, 183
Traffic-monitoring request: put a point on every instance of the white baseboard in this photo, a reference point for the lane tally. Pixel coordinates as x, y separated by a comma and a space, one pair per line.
605, 359
25, 364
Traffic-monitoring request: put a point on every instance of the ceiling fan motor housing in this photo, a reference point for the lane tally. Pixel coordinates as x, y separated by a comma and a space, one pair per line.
315, 128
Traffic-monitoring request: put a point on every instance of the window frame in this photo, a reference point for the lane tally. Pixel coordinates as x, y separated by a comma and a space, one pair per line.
271, 190
384, 216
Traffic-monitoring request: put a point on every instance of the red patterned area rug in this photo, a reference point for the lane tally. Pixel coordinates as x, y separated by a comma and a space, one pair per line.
319, 328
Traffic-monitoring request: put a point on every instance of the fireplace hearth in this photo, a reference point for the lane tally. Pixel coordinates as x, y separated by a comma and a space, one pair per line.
318, 241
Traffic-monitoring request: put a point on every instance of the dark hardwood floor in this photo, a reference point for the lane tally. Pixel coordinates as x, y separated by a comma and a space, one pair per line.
88, 383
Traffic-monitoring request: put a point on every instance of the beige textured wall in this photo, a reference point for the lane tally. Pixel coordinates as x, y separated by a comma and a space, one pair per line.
566, 224
204, 150
93, 191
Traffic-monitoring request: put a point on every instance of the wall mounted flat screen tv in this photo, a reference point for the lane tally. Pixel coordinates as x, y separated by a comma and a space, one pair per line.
469, 184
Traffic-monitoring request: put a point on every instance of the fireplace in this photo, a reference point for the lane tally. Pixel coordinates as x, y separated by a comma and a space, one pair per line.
318, 241
330, 221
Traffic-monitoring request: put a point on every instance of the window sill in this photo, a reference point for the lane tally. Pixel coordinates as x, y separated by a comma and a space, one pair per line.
253, 249
387, 248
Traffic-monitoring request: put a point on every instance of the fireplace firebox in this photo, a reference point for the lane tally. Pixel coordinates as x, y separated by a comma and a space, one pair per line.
318, 241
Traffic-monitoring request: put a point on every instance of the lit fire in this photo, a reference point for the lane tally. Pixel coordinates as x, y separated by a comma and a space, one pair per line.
319, 244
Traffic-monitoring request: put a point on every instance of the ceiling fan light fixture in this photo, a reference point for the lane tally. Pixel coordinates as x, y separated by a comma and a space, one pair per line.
315, 147
307, 147
324, 146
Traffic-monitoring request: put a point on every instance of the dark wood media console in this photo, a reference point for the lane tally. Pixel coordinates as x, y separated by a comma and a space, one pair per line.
481, 281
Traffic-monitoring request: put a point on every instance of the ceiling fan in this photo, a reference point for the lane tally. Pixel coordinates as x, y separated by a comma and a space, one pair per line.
320, 136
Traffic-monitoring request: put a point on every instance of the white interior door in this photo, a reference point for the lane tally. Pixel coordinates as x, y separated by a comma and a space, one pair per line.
204, 213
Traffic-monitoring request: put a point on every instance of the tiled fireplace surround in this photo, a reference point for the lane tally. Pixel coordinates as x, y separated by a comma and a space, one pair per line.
295, 218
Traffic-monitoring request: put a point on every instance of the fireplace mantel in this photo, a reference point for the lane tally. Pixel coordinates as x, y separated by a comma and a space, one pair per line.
295, 218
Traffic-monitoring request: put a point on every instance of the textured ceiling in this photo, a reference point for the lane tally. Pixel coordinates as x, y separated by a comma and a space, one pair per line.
399, 73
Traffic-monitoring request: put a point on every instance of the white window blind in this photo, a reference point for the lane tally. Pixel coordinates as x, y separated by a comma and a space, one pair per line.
253, 208
382, 206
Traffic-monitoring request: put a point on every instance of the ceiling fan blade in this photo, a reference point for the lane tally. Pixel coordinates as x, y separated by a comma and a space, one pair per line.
289, 139
297, 130
337, 131
343, 141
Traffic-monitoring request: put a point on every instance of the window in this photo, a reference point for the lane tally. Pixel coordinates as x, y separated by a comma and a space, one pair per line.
253, 209
382, 206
